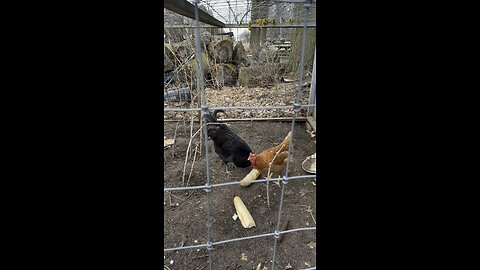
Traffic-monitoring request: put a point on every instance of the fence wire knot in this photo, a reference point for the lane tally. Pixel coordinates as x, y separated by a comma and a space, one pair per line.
285, 180
277, 234
296, 107
204, 108
208, 188
209, 246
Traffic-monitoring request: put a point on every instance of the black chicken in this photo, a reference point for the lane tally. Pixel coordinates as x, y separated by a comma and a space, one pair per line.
228, 145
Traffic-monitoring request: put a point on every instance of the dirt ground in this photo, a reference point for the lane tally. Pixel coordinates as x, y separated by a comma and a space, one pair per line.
185, 215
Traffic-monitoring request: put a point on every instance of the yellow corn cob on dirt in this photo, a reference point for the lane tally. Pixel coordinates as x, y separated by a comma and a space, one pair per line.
252, 175
243, 214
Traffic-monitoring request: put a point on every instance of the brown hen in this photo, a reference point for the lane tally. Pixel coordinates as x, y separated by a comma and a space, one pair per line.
276, 155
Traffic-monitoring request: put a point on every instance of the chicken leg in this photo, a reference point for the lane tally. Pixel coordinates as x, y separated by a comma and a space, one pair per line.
226, 167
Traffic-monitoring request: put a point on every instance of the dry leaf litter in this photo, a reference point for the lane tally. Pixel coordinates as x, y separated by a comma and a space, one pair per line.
279, 95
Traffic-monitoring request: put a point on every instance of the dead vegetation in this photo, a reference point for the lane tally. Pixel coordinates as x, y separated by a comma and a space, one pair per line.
278, 95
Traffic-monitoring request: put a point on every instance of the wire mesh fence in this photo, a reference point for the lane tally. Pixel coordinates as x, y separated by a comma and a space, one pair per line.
204, 109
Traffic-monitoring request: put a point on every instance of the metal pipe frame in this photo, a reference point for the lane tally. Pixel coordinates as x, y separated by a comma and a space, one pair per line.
186, 9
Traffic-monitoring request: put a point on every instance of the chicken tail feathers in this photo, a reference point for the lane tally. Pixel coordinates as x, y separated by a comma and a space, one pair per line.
213, 127
209, 118
215, 112
287, 139
286, 142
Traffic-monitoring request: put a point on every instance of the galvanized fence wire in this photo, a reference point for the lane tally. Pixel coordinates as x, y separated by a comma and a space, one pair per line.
201, 85
241, 238
208, 186
242, 108
297, 103
300, 177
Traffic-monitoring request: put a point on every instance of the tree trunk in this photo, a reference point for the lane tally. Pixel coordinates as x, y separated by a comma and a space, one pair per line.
263, 36
296, 41
257, 35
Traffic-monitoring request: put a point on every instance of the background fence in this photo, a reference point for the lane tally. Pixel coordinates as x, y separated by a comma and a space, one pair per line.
285, 180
